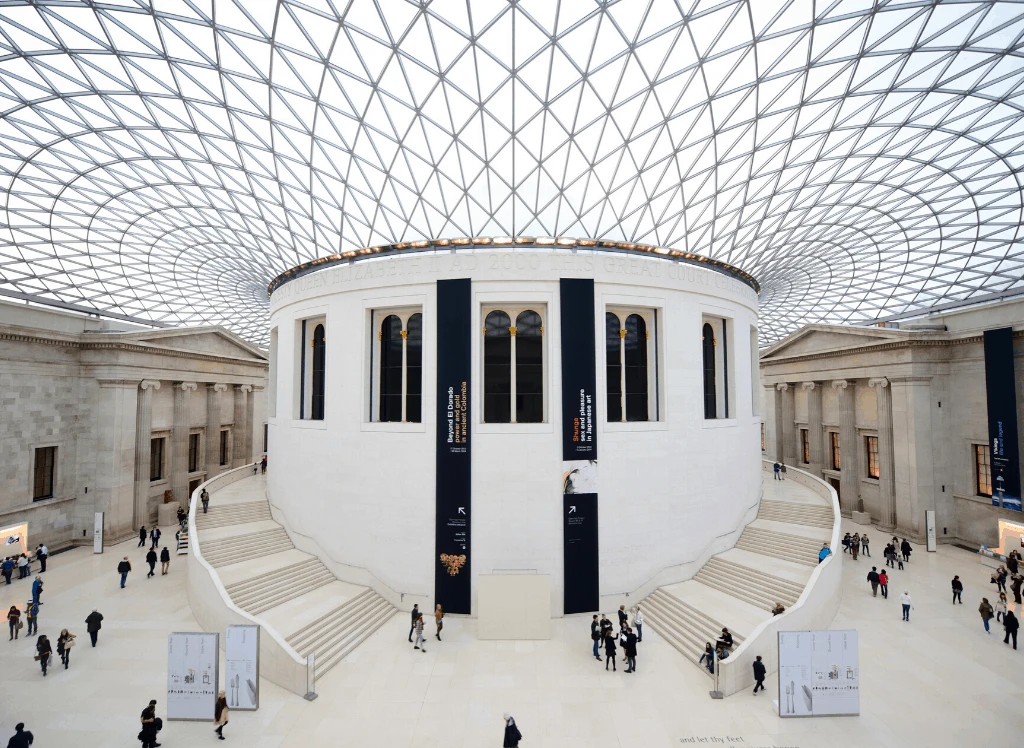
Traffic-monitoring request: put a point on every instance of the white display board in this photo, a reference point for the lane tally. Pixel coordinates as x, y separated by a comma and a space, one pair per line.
242, 667
819, 673
97, 533
929, 523
192, 677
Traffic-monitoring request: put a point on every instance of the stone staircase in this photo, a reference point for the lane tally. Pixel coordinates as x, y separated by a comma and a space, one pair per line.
748, 584
182, 549
815, 515
234, 550
233, 514
799, 550
267, 591
683, 626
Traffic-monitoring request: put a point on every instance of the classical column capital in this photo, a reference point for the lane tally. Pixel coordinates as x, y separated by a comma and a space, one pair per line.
782, 386
186, 386
809, 385
149, 384
878, 382
258, 388
840, 384
216, 387
243, 387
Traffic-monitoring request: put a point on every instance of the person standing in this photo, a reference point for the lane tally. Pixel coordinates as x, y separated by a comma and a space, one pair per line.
638, 621
37, 590
824, 553
1010, 626
154, 535
42, 553
23, 567
630, 650
263, 465
182, 518
883, 582
512, 734
609, 651
874, 579
1015, 582
782, 470
93, 623
595, 635
165, 561
412, 623
855, 545
1012, 563
438, 620
846, 542
142, 536
14, 621
21, 738
775, 468
255, 467
205, 498
905, 549
123, 568
985, 609
43, 652
1001, 607
907, 604
889, 554
622, 616
1001, 575
149, 726
864, 545
420, 644
759, 673
7, 569
151, 560
958, 589
65, 642
32, 616
220, 715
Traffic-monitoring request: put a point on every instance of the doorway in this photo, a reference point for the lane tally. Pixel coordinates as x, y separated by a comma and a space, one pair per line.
192, 486
834, 482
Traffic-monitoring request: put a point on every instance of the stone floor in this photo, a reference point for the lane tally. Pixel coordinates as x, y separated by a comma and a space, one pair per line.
936, 681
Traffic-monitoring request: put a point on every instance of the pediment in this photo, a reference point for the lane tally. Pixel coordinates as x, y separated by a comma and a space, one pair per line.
214, 341
820, 338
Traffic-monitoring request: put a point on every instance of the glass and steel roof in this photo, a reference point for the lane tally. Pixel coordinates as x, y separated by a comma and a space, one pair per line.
166, 160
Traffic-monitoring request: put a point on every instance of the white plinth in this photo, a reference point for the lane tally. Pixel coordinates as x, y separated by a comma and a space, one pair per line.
862, 518
168, 514
514, 606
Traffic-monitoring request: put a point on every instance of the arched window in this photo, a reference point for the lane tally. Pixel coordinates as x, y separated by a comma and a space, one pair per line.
497, 368
316, 409
710, 394
613, 366
414, 369
635, 356
529, 379
390, 407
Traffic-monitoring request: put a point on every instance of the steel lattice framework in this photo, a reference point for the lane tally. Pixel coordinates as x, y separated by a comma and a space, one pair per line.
165, 160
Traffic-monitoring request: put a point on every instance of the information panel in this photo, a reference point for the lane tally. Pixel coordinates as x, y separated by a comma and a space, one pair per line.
579, 388
452, 488
192, 677
580, 552
1002, 418
819, 674
242, 666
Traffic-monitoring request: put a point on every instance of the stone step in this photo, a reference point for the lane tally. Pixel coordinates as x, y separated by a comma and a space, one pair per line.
341, 648
232, 514
778, 545
799, 514
754, 591
280, 594
245, 547
683, 626
286, 573
301, 638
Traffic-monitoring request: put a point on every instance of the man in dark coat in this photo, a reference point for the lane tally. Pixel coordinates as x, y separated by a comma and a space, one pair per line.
151, 560
512, 734
905, 549
154, 535
1010, 625
21, 738
958, 588
123, 568
149, 726
415, 615
873, 578
630, 648
142, 536
93, 623
595, 635
759, 673
1015, 582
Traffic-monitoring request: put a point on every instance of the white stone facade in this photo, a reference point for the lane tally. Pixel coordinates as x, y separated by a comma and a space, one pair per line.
365, 490
99, 391
920, 390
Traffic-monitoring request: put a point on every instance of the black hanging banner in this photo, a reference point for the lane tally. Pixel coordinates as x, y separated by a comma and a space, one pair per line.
579, 387
452, 487
1002, 418
580, 553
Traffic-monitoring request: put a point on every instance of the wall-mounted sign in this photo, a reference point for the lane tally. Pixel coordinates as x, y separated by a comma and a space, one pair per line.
1002, 418
192, 675
819, 674
242, 666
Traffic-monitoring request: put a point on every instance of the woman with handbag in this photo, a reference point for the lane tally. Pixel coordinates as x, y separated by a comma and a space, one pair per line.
43, 652
14, 621
64, 644
220, 715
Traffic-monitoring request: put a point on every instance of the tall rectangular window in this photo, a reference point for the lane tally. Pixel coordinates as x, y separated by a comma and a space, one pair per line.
805, 447
513, 365
224, 447
717, 366
45, 467
266, 429
871, 446
193, 452
983, 469
156, 459
837, 463
631, 373
762, 438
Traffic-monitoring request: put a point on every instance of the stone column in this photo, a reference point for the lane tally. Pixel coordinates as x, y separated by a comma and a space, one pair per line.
886, 456
780, 440
789, 424
179, 441
238, 455
815, 433
250, 409
113, 491
914, 458
143, 434
213, 428
849, 480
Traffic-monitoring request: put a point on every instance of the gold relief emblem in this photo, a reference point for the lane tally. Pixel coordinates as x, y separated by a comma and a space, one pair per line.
453, 563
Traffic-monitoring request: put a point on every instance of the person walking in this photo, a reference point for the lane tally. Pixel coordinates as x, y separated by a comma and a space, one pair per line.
630, 648
889, 555
220, 715
1012, 562
14, 621
985, 609
165, 561
7, 569
1010, 626
32, 616
43, 652
255, 467
142, 536
874, 579
958, 589
412, 622
864, 545
1000, 607
708, 658
775, 468
905, 549
123, 568
263, 465
150, 726
42, 553
151, 560
883, 583
21, 738
907, 604
846, 543
438, 620
759, 673
824, 553
420, 644
1001, 575
782, 470
595, 635
37, 589
638, 621
93, 624
855, 545
205, 498
1015, 582
182, 518
512, 734
609, 651
154, 535
65, 642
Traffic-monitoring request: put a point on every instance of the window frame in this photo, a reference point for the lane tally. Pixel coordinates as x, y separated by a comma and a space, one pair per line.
978, 464
872, 465
52, 452
160, 462
835, 446
805, 446
649, 315
194, 462
377, 316
723, 345
224, 451
305, 328
514, 309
